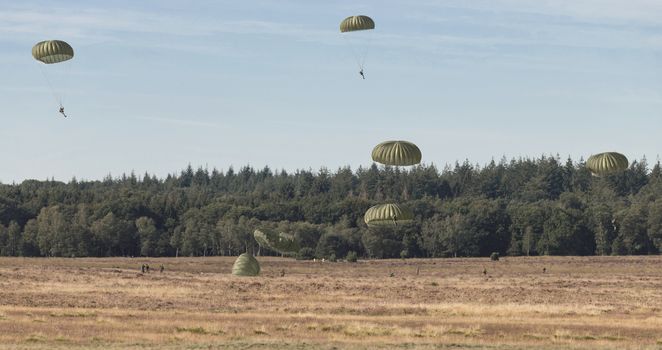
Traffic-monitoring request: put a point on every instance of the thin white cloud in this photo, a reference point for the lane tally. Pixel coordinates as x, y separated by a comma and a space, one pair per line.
633, 11
476, 26
93, 26
183, 122
98, 23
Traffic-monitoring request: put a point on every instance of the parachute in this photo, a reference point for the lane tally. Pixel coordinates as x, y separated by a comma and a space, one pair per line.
54, 53
387, 214
356, 23
398, 153
606, 163
283, 243
354, 29
246, 265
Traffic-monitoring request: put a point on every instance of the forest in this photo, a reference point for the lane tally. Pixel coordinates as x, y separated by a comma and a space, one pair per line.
525, 206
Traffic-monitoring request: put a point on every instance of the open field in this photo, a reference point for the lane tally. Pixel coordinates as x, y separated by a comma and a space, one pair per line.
582, 303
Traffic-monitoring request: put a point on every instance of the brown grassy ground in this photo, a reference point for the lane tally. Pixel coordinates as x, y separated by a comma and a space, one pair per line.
579, 303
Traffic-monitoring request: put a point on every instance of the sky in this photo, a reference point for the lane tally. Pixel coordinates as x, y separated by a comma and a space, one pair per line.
156, 85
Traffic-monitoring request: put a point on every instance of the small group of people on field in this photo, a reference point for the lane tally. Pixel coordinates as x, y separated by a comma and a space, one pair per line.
145, 268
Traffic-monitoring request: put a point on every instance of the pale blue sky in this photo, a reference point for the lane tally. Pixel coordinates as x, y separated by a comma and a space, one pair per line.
156, 85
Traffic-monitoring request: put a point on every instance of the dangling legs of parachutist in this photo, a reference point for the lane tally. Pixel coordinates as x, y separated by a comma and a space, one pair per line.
62, 111
362, 75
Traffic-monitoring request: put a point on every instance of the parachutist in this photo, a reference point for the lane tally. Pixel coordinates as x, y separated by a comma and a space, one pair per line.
354, 24
50, 52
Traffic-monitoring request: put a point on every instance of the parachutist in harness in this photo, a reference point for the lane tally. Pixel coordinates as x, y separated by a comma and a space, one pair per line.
62, 111
362, 75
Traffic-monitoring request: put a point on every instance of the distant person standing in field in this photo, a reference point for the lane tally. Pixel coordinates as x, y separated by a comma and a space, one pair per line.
162, 268
142, 268
147, 268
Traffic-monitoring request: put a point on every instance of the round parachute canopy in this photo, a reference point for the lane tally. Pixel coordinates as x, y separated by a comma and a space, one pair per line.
607, 163
281, 242
52, 51
356, 23
246, 265
387, 215
399, 153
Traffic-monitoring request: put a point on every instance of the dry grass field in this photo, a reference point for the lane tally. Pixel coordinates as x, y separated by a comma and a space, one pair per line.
577, 303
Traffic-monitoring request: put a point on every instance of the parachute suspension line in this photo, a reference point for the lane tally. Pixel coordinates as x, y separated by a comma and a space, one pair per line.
357, 57
365, 50
61, 80
58, 100
66, 76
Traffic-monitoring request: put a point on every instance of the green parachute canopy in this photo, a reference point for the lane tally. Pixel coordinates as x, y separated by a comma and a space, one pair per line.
356, 23
246, 265
607, 163
398, 153
281, 242
387, 214
52, 51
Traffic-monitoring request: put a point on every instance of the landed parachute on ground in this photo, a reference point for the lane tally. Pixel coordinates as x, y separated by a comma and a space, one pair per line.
398, 153
246, 265
280, 242
607, 163
387, 214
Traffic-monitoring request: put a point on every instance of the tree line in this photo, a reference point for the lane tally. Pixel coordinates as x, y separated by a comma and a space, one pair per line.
526, 206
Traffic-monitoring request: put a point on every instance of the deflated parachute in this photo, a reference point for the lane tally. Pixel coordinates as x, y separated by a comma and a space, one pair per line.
387, 214
246, 265
281, 242
399, 153
607, 163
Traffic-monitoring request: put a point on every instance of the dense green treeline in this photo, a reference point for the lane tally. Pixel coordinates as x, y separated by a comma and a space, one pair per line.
518, 207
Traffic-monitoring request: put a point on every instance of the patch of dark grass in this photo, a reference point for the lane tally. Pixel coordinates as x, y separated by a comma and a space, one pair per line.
194, 330
35, 338
74, 314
